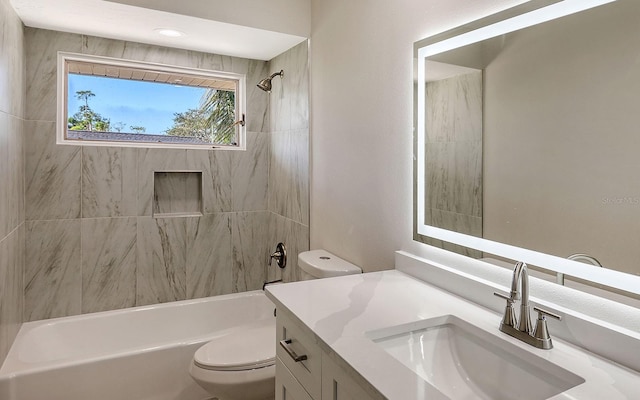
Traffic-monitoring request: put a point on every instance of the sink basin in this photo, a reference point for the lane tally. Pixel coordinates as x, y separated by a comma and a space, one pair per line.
465, 362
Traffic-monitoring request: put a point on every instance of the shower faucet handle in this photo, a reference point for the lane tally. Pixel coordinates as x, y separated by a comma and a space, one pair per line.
280, 255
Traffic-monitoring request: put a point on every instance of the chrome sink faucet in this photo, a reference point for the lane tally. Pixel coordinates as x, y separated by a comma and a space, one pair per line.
521, 275
521, 327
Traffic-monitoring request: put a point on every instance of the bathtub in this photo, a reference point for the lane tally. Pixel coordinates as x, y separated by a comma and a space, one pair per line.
140, 353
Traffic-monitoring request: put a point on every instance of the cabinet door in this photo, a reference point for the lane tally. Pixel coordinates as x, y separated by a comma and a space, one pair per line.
287, 387
338, 385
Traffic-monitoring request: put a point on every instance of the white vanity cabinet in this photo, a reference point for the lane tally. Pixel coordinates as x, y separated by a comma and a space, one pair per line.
305, 372
337, 384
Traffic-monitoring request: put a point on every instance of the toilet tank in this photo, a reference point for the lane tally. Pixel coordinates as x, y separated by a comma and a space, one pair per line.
322, 264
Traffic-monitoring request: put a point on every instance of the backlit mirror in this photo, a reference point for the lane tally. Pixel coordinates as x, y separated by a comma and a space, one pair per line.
528, 138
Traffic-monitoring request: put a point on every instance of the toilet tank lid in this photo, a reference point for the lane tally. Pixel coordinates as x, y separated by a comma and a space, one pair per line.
322, 264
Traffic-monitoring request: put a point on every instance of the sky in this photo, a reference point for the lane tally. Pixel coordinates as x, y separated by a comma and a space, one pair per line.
135, 103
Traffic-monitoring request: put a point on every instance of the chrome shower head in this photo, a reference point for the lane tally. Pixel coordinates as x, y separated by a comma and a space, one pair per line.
265, 84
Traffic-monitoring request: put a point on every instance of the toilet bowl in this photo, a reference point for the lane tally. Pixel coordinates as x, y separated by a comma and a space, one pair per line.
241, 365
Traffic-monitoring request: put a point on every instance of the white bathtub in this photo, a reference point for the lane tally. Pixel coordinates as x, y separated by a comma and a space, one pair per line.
141, 353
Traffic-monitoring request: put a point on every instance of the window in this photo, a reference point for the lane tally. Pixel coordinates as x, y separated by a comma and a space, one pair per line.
113, 102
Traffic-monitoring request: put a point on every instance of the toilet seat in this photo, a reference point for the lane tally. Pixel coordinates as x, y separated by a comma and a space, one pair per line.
251, 347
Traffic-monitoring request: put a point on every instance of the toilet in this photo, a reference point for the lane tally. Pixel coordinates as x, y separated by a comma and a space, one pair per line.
317, 264
241, 365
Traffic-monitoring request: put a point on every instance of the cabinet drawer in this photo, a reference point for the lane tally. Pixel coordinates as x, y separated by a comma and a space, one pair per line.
287, 387
294, 343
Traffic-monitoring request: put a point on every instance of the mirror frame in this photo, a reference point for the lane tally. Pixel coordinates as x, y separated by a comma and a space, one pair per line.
528, 14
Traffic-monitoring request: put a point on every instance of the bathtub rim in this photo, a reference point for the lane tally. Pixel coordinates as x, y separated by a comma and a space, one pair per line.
13, 366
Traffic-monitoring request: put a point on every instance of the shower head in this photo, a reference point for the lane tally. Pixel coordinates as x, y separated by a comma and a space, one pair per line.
265, 84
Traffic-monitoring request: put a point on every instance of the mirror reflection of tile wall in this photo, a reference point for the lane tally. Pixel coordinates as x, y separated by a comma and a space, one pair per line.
454, 157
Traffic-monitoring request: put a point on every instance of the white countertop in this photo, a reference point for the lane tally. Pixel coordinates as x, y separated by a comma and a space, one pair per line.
339, 311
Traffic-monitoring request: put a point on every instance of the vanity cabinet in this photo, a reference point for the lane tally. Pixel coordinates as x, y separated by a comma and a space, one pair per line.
337, 384
305, 372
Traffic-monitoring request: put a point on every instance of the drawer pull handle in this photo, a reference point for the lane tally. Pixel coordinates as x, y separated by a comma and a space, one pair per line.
296, 358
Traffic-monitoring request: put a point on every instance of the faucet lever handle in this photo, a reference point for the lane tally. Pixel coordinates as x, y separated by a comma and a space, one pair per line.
509, 317
542, 313
503, 296
541, 331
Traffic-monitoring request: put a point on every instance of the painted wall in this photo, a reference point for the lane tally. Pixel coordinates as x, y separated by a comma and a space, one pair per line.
361, 120
11, 175
92, 243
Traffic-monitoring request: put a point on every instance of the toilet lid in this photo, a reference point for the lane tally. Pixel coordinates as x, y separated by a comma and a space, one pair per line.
250, 347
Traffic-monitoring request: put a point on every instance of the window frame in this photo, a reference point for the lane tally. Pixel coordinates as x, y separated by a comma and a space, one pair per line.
62, 104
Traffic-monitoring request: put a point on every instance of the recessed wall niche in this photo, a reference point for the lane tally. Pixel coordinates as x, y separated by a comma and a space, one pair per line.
177, 193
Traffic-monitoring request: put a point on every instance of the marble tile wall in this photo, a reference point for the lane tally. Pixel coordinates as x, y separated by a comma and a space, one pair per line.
93, 242
12, 217
289, 157
177, 193
454, 156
